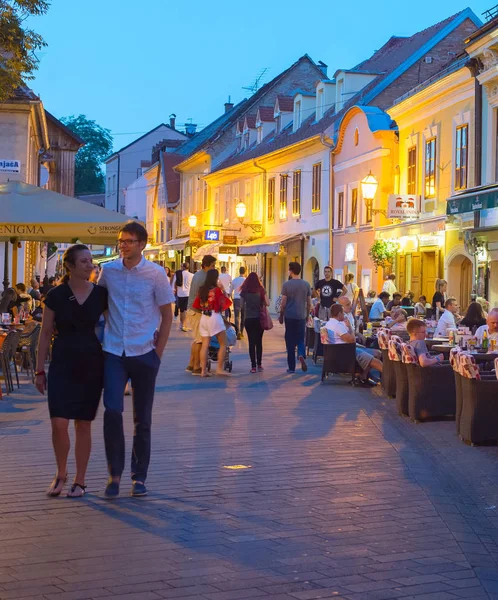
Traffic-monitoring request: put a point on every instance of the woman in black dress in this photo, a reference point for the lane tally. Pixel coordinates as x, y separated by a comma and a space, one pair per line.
76, 374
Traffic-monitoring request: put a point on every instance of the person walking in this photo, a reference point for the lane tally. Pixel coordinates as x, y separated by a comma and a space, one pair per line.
238, 302
76, 375
226, 283
136, 333
351, 287
389, 285
194, 314
212, 302
254, 296
294, 310
183, 279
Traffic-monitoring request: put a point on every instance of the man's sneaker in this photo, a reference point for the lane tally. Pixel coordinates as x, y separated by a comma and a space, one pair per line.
138, 489
112, 489
304, 366
196, 371
189, 369
290, 371
260, 369
253, 370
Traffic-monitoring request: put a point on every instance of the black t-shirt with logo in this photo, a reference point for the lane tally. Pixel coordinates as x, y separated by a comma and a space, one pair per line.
329, 291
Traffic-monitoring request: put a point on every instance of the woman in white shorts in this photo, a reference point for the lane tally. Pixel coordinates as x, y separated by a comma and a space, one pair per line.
213, 303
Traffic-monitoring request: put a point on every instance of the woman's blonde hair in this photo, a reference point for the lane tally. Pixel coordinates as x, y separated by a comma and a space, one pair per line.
439, 283
349, 277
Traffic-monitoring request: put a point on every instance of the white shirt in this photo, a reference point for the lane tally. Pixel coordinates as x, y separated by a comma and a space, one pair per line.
236, 285
447, 321
135, 296
350, 318
336, 329
351, 291
389, 287
226, 282
480, 332
184, 290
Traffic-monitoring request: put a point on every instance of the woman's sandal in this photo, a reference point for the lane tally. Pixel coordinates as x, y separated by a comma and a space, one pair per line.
56, 486
207, 375
77, 491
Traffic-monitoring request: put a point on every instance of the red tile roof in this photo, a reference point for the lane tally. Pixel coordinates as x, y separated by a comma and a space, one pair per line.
285, 103
170, 176
266, 113
250, 120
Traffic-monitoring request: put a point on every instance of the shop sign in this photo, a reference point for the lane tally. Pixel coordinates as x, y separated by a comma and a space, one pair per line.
195, 236
212, 235
188, 250
403, 206
228, 250
481, 201
230, 240
10, 165
171, 254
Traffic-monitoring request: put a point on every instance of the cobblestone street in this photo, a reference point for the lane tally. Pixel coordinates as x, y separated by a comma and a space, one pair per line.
341, 498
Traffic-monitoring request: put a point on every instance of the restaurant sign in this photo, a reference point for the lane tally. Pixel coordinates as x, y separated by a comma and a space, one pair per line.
230, 240
471, 202
212, 235
10, 165
403, 206
228, 250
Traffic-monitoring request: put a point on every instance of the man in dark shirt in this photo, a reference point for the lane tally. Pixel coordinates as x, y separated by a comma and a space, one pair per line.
328, 289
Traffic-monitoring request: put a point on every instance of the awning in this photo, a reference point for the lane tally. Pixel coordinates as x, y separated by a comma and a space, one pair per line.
479, 198
152, 249
269, 243
212, 249
105, 259
176, 244
32, 213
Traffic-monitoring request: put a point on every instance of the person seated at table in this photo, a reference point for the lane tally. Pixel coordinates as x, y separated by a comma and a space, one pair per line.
421, 307
397, 321
474, 317
396, 301
491, 326
339, 331
378, 310
417, 330
447, 319
24, 300
370, 299
408, 299
8, 302
37, 314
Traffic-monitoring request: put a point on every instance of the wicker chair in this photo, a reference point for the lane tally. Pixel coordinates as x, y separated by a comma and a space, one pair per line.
6, 352
401, 376
479, 416
339, 358
431, 389
455, 364
28, 345
318, 345
388, 378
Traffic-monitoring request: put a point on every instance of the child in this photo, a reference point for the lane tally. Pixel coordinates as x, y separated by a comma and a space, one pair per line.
416, 329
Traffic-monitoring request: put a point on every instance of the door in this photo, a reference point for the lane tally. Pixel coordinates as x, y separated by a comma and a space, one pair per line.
465, 283
401, 274
429, 273
416, 282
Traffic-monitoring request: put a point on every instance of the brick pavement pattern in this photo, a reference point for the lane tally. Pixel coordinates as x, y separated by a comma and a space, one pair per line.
343, 499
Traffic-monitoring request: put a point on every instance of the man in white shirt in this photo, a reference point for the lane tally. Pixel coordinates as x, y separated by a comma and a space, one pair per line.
182, 292
136, 332
345, 302
339, 333
389, 285
238, 302
447, 319
226, 281
491, 326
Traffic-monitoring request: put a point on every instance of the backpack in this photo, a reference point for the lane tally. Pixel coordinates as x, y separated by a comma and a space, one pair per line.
179, 278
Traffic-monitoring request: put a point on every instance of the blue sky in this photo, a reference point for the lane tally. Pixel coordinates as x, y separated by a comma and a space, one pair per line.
130, 64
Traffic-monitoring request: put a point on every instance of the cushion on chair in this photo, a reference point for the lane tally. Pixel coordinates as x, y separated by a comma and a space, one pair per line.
468, 367
394, 350
383, 336
455, 358
496, 367
408, 355
324, 336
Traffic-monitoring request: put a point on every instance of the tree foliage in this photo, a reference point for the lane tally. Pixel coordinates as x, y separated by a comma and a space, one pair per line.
383, 253
89, 178
18, 43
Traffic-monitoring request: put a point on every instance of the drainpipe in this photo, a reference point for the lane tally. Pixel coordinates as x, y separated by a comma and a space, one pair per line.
473, 66
331, 198
263, 200
117, 190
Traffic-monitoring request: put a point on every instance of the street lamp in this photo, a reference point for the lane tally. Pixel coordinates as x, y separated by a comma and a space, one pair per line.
240, 211
192, 221
369, 187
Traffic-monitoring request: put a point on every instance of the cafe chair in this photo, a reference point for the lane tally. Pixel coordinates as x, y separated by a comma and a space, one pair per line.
388, 377
479, 416
455, 365
318, 345
395, 356
28, 344
339, 359
431, 389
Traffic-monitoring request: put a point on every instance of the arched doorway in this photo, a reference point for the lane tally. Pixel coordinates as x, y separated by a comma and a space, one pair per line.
460, 279
312, 271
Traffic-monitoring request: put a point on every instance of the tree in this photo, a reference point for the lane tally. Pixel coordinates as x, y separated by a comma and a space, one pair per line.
18, 43
89, 178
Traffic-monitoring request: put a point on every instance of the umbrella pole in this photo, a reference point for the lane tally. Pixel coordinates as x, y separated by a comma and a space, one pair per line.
6, 266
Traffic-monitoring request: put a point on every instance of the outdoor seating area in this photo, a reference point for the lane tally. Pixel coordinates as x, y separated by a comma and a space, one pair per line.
18, 344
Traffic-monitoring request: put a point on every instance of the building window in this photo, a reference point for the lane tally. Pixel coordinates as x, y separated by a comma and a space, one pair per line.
297, 115
411, 187
316, 188
162, 232
354, 206
109, 186
356, 137
319, 105
169, 230
461, 157
340, 210
283, 196
278, 124
430, 168
114, 183
260, 134
217, 206
296, 194
271, 199
246, 140
226, 213
204, 195
368, 212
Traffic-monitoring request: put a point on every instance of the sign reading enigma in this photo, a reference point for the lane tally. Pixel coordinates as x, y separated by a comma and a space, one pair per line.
12, 229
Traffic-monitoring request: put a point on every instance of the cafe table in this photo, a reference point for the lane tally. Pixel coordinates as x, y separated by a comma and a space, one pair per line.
430, 342
479, 357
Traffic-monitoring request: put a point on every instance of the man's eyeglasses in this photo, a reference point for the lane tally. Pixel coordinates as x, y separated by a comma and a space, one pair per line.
126, 242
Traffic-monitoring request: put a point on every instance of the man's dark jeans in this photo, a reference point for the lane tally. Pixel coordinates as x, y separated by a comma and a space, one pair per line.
294, 336
239, 314
142, 370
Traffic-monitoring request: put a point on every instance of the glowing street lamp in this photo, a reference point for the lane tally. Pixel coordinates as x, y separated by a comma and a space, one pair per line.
192, 221
240, 211
369, 187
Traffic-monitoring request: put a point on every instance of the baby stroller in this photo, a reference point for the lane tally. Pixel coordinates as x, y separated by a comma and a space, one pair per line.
214, 346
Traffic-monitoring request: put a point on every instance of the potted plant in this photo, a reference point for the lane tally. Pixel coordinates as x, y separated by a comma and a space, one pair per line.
383, 253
